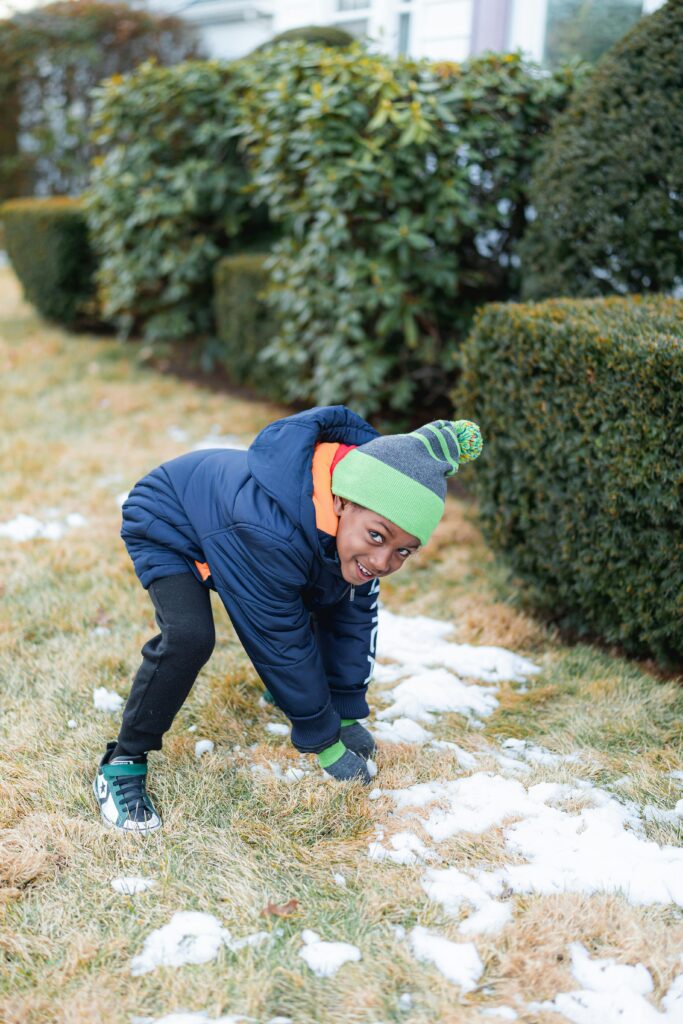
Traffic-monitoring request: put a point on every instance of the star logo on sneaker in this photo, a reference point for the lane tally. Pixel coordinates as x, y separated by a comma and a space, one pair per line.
102, 787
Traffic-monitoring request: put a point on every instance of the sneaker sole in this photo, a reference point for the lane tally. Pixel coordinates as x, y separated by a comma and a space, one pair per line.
134, 827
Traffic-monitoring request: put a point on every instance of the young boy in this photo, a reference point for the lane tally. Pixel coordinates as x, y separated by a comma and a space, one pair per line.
294, 535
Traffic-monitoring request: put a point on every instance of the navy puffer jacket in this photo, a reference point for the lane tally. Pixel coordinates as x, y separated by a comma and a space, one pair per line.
250, 516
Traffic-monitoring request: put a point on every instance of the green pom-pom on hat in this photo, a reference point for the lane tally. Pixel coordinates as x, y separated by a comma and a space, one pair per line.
469, 438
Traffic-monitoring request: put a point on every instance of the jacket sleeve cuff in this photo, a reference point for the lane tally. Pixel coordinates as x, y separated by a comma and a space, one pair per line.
313, 733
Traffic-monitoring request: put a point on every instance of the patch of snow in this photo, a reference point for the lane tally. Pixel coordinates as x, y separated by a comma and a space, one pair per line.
190, 937
106, 700
192, 728
502, 1012
217, 440
291, 774
122, 498
23, 528
613, 993
407, 848
71, 724
464, 758
429, 691
325, 958
403, 730
203, 747
375, 794
372, 767
277, 728
128, 886
405, 1002
100, 631
537, 755
191, 1018
177, 434
452, 888
339, 879
420, 641
459, 962
598, 849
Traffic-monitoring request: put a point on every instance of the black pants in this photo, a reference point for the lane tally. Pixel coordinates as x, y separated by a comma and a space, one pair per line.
170, 662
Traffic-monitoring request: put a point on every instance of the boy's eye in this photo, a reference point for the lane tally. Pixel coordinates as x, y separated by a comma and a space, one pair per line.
404, 552
375, 535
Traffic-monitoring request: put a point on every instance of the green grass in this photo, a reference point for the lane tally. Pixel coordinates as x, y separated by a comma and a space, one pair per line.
82, 419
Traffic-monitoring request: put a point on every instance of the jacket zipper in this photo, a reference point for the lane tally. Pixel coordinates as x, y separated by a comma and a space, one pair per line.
353, 593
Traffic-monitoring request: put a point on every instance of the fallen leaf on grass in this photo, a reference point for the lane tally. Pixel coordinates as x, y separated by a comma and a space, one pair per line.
281, 910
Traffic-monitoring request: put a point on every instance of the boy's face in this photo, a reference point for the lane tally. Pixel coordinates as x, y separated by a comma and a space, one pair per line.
368, 545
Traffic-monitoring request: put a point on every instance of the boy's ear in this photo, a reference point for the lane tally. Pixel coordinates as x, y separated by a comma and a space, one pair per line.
339, 504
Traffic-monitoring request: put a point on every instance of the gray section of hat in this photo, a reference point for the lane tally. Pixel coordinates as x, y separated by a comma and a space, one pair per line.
409, 456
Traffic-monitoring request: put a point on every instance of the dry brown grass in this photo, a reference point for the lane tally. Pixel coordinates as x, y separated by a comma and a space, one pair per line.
82, 419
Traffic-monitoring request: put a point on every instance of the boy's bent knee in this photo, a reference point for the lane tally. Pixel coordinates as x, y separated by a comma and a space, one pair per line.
191, 642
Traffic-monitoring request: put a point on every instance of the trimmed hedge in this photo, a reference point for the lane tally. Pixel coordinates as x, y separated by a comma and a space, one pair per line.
47, 243
581, 486
244, 323
607, 190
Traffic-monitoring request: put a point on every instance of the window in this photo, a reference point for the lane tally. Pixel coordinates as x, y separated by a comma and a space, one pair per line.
586, 28
404, 33
358, 27
352, 5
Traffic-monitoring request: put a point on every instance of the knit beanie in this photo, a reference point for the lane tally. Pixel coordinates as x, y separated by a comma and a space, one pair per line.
403, 476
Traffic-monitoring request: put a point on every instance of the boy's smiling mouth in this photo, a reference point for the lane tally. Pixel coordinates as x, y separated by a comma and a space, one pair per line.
363, 572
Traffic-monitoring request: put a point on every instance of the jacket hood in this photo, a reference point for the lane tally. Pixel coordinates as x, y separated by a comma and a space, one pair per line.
280, 457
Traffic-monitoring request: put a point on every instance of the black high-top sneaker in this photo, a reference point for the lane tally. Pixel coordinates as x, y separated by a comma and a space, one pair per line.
121, 792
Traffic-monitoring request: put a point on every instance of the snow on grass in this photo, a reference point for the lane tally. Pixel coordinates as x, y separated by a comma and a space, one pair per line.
403, 730
325, 958
430, 691
203, 747
214, 439
23, 527
277, 728
406, 848
501, 1012
191, 1018
453, 889
291, 774
465, 758
597, 849
528, 751
420, 641
459, 962
613, 993
129, 885
190, 937
106, 700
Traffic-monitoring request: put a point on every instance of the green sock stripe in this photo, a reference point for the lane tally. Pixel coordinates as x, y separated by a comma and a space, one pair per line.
331, 754
348, 721
111, 770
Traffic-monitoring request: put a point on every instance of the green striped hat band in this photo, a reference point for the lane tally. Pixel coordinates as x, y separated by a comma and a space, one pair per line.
403, 476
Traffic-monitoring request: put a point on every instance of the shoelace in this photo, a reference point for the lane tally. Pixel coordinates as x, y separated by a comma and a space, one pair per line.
132, 789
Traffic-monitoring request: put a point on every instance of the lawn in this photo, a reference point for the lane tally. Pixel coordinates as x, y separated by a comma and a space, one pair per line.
533, 858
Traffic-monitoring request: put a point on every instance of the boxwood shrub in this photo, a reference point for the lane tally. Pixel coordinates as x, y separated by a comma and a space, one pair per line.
581, 485
607, 189
48, 247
